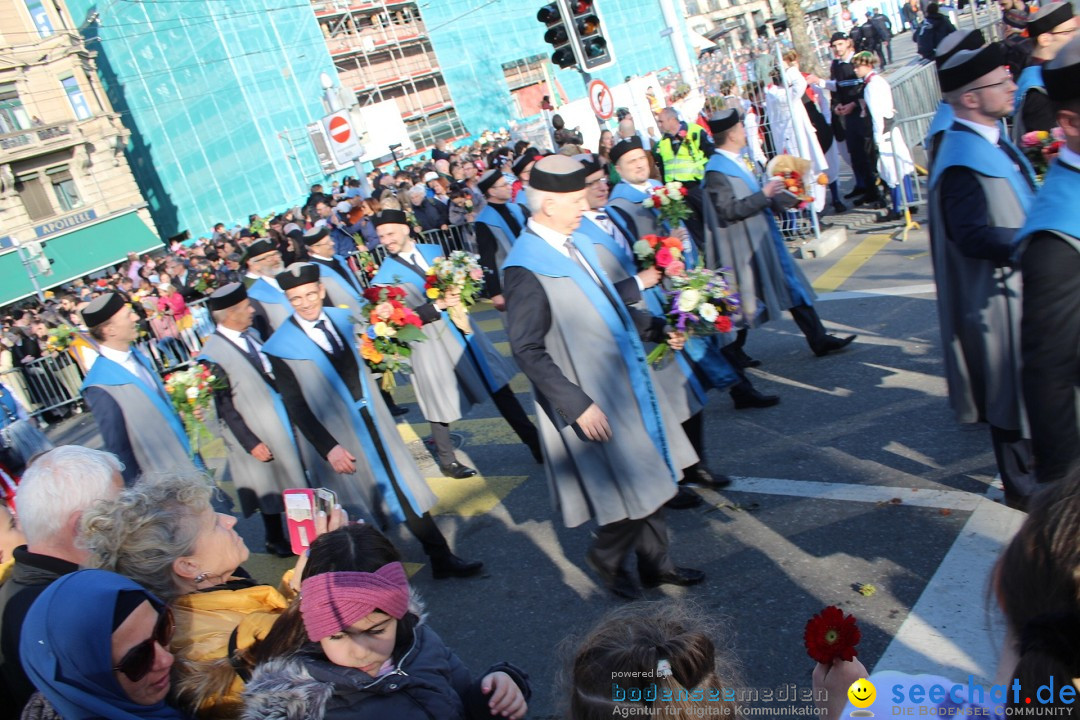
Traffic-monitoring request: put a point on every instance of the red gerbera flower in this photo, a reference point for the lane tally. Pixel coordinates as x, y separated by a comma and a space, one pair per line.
830, 635
723, 324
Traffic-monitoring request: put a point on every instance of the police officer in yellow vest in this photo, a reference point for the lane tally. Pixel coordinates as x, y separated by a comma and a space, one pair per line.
681, 155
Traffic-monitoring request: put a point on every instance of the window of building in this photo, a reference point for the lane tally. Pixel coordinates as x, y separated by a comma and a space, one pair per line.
34, 196
12, 114
40, 17
67, 195
76, 98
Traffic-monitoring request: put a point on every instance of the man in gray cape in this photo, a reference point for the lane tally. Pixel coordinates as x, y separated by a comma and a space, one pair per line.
263, 264
612, 450
263, 459
744, 236
331, 399
980, 190
452, 369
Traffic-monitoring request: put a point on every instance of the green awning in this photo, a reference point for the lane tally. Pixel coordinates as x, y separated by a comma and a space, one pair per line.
77, 253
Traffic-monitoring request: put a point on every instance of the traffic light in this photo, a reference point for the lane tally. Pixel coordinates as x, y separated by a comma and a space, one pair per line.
557, 35
575, 31
593, 46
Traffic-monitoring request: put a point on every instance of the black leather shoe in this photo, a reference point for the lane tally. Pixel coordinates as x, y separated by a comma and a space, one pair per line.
684, 499
839, 208
280, 548
619, 583
832, 344
891, 216
679, 576
457, 471
452, 566
698, 476
746, 396
398, 411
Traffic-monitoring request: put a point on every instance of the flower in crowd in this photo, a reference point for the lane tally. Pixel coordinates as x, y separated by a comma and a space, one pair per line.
670, 202
391, 328
1041, 147
458, 271
191, 392
700, 302
665, 253
831, 635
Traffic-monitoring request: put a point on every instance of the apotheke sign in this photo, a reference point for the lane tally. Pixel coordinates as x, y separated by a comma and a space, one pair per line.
65, 223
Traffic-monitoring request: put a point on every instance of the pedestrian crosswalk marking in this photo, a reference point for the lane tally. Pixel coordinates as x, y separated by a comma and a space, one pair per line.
473, 496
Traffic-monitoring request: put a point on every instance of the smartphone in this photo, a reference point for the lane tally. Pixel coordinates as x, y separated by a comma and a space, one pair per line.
300, 517
325, 501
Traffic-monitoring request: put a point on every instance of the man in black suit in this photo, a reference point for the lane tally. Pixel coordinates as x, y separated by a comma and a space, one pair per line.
182, 278
1050, 259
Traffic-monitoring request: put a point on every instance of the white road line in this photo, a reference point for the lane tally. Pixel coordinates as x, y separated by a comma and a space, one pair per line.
900, 290
852, 492
956, 629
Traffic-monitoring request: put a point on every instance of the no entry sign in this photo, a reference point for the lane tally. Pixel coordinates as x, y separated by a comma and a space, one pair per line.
342, 138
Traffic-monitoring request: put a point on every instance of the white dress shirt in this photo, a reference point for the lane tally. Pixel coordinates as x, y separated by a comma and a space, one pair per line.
239, 340
558, 241
317, 335
129, 363
415, 258
1068, 157
992, 133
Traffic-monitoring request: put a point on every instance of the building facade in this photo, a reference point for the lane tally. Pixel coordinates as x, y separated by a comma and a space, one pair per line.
218, 99
733, 24
64, 178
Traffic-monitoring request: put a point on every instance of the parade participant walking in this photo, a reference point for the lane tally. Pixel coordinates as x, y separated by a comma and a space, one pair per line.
1050, 260
746, 238
849, 123
329, 396
1049, 29
271, 306
260, 445
612, 450
497, 225
127, 398
944, 118
452, 370
895, 166
342, 287
980, 190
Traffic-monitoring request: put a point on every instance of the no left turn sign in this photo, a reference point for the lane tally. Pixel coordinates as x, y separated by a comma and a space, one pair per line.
601, 99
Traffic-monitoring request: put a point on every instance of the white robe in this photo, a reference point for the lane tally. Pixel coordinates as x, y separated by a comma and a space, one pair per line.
894, 159
792, 131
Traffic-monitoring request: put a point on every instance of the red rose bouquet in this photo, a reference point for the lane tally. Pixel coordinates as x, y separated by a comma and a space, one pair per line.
700, 302
1041, 147
670, 201
391, 328
831, 635
665, 253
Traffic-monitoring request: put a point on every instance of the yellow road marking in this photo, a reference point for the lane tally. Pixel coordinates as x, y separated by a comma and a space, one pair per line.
472, 496
489, 325
916, 256
835, 276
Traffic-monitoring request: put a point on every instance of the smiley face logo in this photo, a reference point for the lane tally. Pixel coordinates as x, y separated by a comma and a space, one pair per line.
862, 693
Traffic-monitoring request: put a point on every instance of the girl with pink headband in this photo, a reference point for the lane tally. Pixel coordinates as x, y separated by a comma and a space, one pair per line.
355, 646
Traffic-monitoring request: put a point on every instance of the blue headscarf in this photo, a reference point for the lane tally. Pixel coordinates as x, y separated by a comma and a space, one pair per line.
66, 648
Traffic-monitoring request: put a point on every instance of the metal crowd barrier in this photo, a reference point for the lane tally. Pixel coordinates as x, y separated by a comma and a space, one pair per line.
47, 384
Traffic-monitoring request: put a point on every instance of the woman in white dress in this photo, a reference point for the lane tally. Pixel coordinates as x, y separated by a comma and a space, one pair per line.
895, 167
793, 131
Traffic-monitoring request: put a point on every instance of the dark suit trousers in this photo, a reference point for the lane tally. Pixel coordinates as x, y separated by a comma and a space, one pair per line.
857, 136
647, 538
809, 322
1014, 460
512, 412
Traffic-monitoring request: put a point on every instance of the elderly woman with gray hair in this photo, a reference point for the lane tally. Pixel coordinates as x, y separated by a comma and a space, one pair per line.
164, 534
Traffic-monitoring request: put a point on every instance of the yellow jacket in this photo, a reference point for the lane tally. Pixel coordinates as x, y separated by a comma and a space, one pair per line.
209, 623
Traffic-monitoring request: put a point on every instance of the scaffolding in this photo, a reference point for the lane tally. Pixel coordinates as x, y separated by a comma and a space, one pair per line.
382, 51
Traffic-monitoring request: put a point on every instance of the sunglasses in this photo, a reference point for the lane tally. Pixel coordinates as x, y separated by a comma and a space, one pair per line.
139, 660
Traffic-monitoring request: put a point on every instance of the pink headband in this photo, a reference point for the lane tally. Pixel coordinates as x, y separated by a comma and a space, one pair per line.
333, 601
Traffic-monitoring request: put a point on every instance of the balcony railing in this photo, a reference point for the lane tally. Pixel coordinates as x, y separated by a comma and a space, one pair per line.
40, 137
370, 39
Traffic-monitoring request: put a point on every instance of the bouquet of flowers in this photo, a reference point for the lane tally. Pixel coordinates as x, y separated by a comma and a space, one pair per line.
665, 253
205, 282
700, 302
1041, 147
192, 393
831, 635
459, 271
364, 259
795, 172
60, 338
670, 201
391, 327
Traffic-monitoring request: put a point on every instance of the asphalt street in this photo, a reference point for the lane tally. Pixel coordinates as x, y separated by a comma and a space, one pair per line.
859, 477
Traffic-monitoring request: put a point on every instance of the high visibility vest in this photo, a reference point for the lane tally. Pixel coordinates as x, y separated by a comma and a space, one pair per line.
688, 164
